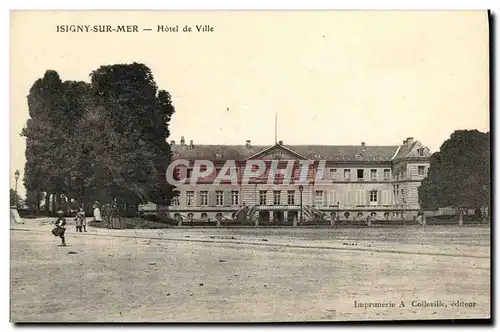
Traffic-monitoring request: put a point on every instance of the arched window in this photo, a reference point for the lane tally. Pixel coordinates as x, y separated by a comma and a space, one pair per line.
218, 216
177, 217
386, 215
190, 216
347, 214
373, 214
203, 215
360, 214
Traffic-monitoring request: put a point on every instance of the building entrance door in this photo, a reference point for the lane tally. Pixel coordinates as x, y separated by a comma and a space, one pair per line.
264, 215
278, 216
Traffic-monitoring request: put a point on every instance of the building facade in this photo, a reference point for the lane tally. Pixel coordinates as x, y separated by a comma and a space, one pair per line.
357, 182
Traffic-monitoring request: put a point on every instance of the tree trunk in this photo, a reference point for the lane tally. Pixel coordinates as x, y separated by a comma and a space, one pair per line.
47, 204
53, 204
37, 206
460, 216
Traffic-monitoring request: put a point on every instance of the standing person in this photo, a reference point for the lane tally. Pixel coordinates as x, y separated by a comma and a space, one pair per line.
60, 227
84, 219
80, 221
97, 212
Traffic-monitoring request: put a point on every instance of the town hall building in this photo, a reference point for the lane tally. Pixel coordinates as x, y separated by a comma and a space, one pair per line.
358, 182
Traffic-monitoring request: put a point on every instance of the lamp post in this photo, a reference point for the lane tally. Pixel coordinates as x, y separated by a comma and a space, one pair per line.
338, 210
16, 176
301, 189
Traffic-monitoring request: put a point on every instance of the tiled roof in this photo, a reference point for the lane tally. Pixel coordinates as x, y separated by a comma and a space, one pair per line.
313, 152
216, 152
405, 150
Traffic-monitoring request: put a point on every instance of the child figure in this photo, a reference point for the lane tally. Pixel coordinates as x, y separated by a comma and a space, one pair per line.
60, 227
80, 221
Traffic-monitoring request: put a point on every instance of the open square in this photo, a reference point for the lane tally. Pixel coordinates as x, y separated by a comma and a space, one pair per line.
248, 274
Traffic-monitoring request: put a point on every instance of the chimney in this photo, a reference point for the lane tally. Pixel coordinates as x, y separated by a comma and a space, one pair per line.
280, 142
183, 141
409, 140
172, 142
363, 145
191, 145
248, 145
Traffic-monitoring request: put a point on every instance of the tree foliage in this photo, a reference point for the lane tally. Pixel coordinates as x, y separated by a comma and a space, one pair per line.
99, 140
459, 174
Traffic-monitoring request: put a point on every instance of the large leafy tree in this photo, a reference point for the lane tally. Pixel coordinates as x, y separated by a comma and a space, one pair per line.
44, 141
97, 141
132, 117
459, 174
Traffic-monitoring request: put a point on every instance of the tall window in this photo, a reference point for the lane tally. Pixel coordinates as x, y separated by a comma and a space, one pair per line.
219, 198
360, 174
204, 198
175, 201
291, 197
347, 174
262, 197
421, 152
373, 196
318, 199
277, 197
387, 174
189, 173
333, 173
421, 170
235, 197
373, 174
189, 198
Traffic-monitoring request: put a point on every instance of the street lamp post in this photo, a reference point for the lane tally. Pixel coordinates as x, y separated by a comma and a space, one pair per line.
338, 210
301, 189
16, 176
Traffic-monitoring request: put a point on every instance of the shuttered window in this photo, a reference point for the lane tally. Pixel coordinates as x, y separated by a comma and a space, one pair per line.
318, 199
204, 198
189, 198
219, 198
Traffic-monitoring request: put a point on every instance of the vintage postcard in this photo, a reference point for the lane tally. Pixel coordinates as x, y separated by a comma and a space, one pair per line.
250, 166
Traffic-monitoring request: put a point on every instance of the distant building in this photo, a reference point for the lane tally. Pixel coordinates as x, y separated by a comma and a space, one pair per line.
358, 181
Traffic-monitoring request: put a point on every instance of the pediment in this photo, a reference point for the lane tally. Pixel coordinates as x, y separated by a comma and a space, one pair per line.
277, 152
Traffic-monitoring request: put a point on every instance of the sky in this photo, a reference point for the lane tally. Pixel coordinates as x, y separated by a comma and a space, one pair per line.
333, 77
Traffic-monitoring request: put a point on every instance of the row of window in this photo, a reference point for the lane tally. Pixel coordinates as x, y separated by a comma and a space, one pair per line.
277, 197
204, 198
218, 198
360, 174
347, 215
347, 173
318, 197
221, 198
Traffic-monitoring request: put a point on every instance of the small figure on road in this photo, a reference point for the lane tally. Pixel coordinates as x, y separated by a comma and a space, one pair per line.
60, 227
81, 221
97, 212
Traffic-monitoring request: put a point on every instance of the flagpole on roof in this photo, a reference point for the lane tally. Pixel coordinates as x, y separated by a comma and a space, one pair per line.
276, 128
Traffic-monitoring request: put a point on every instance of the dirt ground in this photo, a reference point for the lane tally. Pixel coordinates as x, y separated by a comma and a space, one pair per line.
249, 275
